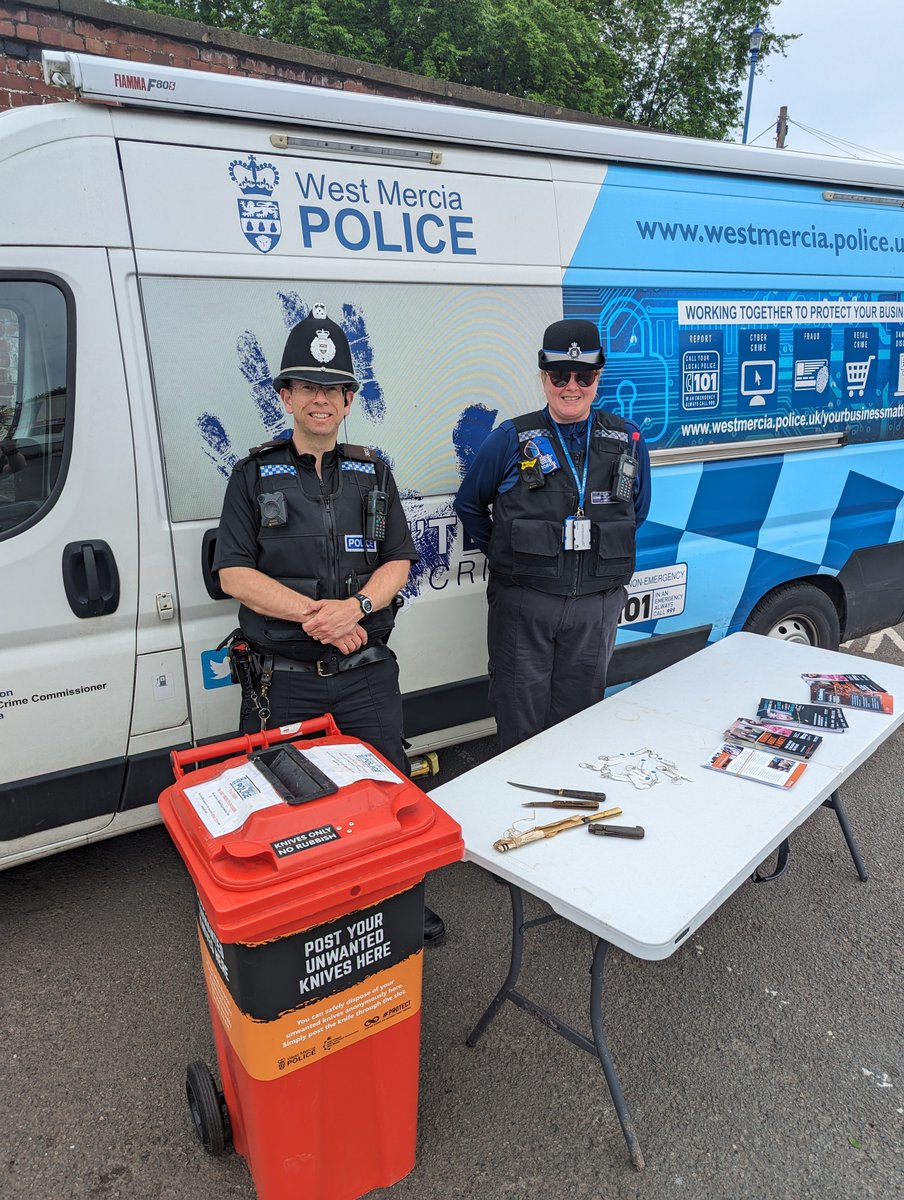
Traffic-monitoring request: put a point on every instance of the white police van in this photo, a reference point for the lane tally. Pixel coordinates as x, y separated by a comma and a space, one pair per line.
157, 244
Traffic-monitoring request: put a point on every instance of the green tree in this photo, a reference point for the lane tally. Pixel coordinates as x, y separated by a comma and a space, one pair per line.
683, 64
538, 49
672, 64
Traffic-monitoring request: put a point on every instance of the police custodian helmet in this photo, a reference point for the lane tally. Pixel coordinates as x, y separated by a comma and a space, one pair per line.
317, 351
571, 344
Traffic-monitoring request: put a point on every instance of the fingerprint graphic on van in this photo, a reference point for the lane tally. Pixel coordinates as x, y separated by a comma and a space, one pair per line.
253, 366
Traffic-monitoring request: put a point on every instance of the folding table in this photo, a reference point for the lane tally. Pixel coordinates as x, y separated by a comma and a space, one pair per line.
703, 838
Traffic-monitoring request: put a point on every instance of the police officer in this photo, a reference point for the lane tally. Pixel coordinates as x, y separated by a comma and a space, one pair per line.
553, 499
314, 544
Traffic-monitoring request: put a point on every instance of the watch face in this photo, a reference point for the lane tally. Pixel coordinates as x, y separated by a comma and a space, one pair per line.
367, 605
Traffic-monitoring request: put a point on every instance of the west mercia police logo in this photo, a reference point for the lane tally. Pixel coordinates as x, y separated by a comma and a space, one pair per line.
323, 348
258, 214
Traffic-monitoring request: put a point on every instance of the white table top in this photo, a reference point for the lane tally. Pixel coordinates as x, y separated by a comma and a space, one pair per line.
703, 838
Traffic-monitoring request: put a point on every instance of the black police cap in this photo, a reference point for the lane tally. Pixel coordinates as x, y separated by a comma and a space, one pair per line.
317, 351
571, 343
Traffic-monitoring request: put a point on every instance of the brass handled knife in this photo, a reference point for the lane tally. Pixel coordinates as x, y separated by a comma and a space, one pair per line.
513, 840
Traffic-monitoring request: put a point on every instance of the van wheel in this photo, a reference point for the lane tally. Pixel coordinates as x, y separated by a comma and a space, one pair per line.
797, 612
206, 1107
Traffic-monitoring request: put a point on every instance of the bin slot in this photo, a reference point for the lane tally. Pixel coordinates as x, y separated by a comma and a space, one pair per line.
250, 854
292, 775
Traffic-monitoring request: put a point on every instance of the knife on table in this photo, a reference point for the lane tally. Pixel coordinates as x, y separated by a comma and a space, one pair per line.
513, 840
588, 799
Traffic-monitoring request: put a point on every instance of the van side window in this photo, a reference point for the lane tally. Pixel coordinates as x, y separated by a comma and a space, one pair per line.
35, 417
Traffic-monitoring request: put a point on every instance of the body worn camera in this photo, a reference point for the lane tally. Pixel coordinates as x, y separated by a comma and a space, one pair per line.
532, 473
274, 510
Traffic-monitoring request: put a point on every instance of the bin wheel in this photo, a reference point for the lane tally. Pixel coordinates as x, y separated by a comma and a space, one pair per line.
206, 1108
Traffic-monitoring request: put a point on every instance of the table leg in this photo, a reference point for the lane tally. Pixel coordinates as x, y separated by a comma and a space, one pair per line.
605, 1057
784, 854
514, 968
834, 802
598, 1047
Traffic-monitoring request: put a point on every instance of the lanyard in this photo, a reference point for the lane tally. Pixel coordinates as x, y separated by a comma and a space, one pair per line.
582, 482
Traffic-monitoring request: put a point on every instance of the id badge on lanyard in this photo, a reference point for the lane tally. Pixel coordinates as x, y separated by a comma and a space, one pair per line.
576, 529
576, 533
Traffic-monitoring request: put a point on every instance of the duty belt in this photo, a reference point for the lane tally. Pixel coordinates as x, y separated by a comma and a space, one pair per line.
325, 667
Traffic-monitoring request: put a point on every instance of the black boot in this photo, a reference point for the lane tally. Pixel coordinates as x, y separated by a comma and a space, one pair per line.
434, 929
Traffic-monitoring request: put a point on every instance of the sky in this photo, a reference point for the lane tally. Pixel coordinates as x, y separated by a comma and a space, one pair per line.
842, 76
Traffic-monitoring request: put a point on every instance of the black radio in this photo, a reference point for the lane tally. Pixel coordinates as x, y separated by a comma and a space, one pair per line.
376, 506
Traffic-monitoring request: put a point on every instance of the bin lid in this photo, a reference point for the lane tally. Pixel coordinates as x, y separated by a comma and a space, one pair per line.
367, 838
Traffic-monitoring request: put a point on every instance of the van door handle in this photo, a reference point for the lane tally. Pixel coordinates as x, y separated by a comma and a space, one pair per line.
91, 578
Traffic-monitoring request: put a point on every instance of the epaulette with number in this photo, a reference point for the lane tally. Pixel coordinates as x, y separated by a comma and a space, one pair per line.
274, 442
359, 453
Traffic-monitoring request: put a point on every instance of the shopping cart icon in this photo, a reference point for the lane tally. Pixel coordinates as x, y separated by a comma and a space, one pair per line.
857, 374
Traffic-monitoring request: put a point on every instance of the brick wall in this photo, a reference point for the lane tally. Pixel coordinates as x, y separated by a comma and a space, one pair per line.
97, 27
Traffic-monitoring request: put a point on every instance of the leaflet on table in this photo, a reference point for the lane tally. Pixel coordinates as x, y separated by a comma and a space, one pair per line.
808, 716
224, 804
795, 742
850, 691
746, 763
349, 762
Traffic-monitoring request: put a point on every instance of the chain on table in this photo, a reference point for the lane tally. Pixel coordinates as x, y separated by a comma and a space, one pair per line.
643, 768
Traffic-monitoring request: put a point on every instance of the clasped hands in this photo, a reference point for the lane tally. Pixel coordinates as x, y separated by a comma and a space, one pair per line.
336, 623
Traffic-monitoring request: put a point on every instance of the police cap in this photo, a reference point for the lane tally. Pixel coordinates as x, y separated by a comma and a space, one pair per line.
317, 351
571, 344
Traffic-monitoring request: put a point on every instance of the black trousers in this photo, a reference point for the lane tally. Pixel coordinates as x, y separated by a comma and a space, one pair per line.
548, 656
365, 703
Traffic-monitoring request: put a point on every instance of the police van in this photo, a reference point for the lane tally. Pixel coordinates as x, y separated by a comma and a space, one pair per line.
158, 242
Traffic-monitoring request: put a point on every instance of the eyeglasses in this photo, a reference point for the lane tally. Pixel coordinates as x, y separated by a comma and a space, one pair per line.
559, 378
309, 391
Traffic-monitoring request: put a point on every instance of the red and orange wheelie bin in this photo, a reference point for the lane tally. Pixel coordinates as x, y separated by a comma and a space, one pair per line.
310, 923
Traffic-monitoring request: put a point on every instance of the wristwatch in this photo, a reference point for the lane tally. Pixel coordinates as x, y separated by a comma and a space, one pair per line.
367, 605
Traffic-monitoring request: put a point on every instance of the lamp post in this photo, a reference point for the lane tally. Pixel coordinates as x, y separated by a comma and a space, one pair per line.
756, 40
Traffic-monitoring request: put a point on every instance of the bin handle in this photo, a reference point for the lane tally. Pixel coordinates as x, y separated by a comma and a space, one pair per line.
251, 741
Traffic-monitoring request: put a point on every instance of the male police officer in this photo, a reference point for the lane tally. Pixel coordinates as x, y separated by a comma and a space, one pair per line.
314, 544
567, 491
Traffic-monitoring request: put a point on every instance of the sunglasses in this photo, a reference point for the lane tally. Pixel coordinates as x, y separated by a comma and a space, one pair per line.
560, 378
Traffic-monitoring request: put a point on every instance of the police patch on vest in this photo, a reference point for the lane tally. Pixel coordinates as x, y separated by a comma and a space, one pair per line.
348, 464
601, 498
355, 541
540, 447
278, 469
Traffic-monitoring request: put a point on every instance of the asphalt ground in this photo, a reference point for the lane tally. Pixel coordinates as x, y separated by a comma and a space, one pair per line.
763, 1061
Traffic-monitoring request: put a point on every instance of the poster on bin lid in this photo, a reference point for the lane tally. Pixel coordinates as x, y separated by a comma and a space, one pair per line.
289, 1002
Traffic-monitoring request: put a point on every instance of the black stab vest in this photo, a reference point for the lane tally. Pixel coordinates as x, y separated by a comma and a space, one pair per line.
526, 544
320, 550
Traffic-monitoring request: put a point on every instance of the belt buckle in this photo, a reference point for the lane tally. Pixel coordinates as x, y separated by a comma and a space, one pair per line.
323, 662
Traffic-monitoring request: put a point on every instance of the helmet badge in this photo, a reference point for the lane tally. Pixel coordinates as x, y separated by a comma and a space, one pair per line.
323, 348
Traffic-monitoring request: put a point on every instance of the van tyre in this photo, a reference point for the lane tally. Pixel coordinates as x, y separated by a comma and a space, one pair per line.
797, 612
205, 1103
